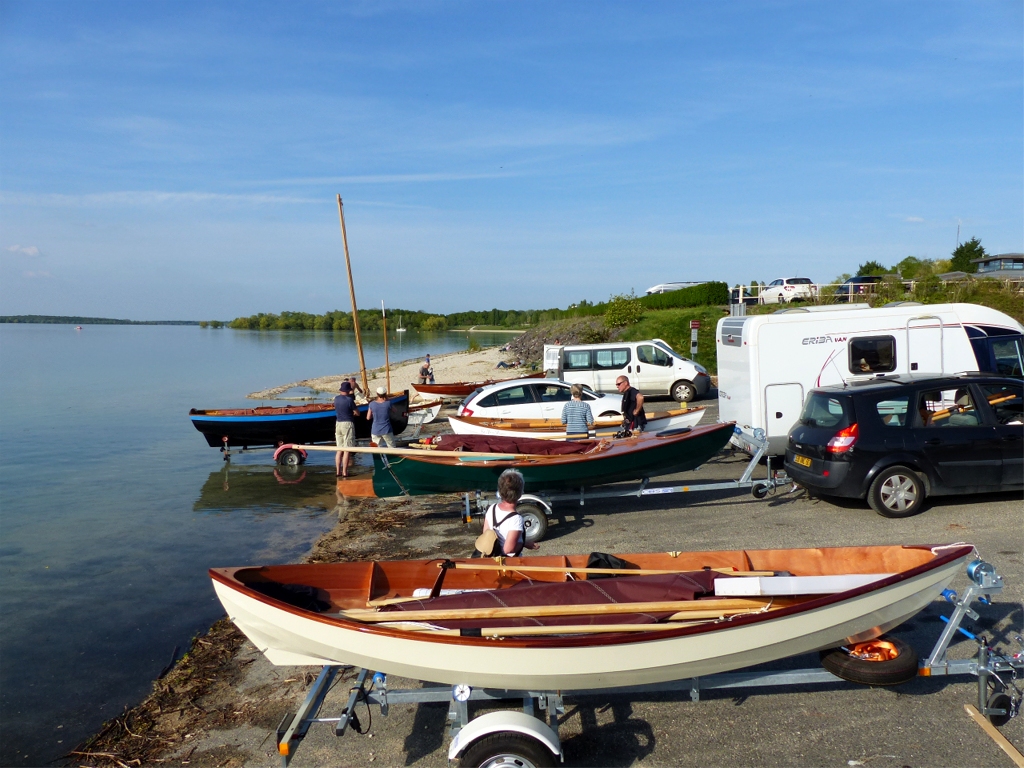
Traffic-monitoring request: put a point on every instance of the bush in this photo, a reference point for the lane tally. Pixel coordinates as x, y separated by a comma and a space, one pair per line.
703, 295
435, 323
474, 345
623, 310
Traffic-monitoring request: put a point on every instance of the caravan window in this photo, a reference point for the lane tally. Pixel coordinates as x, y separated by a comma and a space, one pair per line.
611, 358
578, 360
873, 354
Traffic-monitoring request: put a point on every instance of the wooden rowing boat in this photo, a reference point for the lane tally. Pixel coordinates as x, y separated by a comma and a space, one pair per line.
277, 425
657, 421
552, 627
463, 388
474, 462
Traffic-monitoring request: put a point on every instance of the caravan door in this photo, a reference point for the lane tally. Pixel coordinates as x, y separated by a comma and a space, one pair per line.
783, 404
924, 344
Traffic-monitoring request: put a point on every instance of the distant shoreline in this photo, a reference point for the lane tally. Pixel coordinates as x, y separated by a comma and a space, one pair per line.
72, 320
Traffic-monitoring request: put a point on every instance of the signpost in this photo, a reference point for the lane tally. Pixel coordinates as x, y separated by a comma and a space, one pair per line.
694, 327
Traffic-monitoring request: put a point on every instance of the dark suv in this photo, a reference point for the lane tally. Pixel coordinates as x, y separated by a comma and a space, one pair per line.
855, 287
896, 440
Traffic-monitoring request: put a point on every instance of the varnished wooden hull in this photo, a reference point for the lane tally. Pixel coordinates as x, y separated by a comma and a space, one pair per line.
288, 634
463, 388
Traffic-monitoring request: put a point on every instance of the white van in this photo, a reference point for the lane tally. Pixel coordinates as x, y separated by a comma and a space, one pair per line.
652, 366
768, 363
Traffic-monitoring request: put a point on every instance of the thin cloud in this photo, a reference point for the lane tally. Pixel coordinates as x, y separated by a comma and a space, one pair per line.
149, 198
25, 250
37, 275
913, 219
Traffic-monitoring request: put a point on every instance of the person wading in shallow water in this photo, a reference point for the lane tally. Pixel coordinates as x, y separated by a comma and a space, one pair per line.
633, 417
345, 427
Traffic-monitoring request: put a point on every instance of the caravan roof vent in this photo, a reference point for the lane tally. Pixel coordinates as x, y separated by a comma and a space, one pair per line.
793, 311
903, 304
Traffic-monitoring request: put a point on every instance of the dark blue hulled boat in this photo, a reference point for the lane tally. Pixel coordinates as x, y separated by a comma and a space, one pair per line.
276, 425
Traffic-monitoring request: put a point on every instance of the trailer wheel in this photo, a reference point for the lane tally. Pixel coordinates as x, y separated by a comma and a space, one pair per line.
290, 458
683, 391
1000, 700
507, 749
759, 490
535, 522
883, 661
896, 492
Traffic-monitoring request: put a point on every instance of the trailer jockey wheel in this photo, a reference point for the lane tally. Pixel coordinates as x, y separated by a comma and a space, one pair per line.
759, 491
507, 749
535, 522
882, 661
1000, 700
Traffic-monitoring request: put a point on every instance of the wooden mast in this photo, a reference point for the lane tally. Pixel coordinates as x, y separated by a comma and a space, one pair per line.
352, 295
387, 365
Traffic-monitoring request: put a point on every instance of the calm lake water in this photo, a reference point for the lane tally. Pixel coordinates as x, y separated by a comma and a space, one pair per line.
112, 506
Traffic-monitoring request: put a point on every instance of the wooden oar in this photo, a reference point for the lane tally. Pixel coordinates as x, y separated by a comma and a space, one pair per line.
421, 454
564, 629
694, 608
613, 571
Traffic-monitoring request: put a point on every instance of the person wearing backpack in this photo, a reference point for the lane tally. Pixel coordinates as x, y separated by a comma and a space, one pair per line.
503, 519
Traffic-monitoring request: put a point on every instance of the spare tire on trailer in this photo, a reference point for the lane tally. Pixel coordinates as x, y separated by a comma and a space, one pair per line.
883, 661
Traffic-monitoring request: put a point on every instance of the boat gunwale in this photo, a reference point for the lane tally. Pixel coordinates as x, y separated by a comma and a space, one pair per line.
226, 576
630, 445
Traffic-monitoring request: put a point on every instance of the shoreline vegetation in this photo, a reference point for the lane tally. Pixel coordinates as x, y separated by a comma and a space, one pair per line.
75, 320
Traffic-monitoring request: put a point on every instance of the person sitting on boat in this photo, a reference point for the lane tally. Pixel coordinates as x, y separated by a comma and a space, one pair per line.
576, 415
502, 517
633, 417
345, 427
379, 414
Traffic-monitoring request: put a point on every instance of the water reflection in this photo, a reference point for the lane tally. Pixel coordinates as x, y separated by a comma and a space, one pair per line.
271, 489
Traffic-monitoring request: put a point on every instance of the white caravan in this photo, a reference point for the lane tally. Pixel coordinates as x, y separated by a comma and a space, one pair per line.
768, 363
652, 366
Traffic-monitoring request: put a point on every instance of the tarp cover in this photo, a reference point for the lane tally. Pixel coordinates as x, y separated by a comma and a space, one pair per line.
495, 444
621, 589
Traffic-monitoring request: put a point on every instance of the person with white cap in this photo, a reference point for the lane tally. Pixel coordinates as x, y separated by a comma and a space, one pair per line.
379, 415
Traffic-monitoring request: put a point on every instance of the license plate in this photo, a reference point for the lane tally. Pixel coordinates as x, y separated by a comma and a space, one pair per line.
803, 461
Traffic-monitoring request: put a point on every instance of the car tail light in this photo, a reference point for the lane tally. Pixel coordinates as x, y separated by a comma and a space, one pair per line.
464, 411
843, 440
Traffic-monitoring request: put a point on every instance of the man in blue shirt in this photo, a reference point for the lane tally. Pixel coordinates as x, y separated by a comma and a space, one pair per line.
345, 428
380, 420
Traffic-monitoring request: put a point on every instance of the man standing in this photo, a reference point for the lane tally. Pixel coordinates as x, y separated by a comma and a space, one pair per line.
380, 420
633, 416
345, 428
426, 372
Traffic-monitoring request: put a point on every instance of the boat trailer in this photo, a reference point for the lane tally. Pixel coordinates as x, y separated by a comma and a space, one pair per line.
536, 508
526, 738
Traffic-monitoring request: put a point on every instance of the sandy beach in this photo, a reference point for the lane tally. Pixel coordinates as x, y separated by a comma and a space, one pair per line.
450, 367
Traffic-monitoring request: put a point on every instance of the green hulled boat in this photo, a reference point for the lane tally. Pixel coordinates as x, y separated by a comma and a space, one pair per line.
598, 463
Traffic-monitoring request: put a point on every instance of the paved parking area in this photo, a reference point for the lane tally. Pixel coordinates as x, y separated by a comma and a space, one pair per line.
921, 723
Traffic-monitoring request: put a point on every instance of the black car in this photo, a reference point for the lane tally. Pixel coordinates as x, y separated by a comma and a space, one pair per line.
895, 440
855, 287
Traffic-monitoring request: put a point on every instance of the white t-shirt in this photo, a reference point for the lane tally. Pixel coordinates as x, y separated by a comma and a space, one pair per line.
503, 527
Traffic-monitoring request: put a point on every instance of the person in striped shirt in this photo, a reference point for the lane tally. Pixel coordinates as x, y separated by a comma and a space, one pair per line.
576, 415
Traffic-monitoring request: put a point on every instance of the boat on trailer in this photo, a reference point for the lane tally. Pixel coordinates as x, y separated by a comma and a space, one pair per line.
460, 463
547, 623
657, 421
463, 388
277, 425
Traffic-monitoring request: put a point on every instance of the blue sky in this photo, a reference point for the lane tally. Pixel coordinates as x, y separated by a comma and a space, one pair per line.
181, 160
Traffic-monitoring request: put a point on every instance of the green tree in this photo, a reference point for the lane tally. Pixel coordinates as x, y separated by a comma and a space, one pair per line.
435, 323
871, 268
623, 310
961, 261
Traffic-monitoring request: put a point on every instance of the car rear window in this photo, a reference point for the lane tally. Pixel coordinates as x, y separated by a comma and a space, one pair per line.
800, 281
823, 410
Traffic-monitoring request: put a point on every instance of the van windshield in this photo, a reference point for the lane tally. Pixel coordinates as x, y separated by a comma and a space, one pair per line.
821, 410
667, 348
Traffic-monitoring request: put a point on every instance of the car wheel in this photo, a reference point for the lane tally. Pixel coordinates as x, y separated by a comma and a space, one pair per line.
609, 415
896, 492
683, 391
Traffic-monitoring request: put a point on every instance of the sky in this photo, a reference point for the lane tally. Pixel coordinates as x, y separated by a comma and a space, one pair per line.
181, 161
